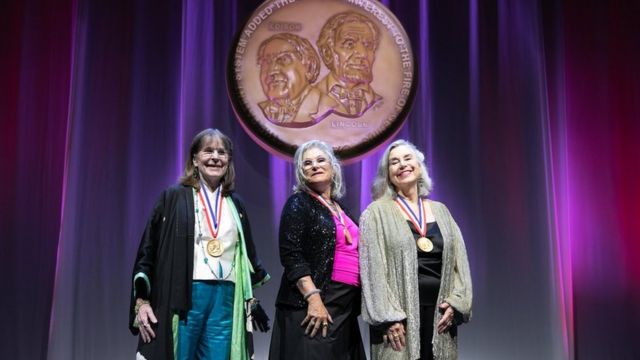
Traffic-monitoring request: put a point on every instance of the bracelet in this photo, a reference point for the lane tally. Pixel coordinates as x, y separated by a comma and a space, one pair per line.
308, 295
139, 305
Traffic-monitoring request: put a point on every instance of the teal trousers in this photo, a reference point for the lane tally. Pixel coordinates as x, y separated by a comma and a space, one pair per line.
205, 333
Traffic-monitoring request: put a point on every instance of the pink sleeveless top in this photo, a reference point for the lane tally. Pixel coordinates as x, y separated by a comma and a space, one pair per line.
346, 268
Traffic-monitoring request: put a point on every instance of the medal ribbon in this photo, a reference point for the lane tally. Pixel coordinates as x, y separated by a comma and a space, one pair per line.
326, 204
335, 213
419, 223
215, 216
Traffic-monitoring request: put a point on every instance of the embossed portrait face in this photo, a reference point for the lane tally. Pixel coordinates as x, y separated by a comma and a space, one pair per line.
282, 73
340, 71
354, 53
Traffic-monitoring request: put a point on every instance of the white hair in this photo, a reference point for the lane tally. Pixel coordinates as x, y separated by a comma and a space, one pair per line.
382, 186
337, 186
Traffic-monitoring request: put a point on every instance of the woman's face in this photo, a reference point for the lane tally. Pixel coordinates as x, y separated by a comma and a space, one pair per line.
404, 168
317, 170
212, 160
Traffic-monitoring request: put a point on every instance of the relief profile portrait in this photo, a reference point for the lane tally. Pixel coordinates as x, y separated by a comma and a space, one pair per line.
347, 44
288, 67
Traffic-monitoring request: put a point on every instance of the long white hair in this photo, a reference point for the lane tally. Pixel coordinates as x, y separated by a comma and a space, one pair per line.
382, 186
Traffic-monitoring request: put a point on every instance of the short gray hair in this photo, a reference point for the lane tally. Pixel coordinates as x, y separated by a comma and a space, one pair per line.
382, 186
337, 186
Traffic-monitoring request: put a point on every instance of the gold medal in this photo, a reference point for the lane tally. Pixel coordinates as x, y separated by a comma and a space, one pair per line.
214, 248
419, 223
424, 244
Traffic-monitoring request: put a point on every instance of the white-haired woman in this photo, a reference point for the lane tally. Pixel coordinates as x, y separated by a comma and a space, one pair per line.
319, 298
416, 285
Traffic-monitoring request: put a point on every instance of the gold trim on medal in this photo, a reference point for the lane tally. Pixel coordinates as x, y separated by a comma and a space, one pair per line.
424, 244
214, 248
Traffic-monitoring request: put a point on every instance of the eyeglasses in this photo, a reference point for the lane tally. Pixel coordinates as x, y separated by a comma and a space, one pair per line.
208, 153
308, 164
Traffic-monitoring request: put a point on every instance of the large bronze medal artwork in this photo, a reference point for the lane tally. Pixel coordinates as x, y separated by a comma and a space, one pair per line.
333, 70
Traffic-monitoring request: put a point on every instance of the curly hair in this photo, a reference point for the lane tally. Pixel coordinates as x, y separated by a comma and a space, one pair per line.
337, 185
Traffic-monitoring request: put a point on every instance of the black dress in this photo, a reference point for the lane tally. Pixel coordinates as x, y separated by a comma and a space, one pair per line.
307, 246
429, 274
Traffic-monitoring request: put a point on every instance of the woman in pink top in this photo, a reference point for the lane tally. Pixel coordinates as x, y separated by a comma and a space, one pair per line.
318, 303
346, 267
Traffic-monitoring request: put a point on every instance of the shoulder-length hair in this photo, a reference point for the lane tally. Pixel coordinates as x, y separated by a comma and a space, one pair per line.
382, 186
337, 186
191, 177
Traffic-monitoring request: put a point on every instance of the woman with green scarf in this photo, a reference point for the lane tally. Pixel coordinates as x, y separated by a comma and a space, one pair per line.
196, 265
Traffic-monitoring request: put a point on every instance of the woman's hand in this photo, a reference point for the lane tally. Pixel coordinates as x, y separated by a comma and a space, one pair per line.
317, 317
395, 337
145, 318
447, 321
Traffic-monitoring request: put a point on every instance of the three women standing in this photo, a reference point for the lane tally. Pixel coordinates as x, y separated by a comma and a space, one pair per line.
196, 263
416, 285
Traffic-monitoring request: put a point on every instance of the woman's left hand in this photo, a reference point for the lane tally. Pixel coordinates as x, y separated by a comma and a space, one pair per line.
447, 321
395, 337
317, 316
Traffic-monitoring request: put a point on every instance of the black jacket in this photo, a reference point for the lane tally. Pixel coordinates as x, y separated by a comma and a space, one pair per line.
307, 246
165, 255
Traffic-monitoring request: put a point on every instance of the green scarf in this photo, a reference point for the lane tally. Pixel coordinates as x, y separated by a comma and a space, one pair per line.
243, 292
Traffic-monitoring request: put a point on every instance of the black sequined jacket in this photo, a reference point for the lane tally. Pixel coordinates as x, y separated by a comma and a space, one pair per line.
307, 246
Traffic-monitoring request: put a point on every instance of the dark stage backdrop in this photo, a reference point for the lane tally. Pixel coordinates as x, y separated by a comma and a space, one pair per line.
528, 112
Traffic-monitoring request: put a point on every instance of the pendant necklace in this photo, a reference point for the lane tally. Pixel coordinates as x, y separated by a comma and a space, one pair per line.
419, 222
336, 212
220, 275
214, 246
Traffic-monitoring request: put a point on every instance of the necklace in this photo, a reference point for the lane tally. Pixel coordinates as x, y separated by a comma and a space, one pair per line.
419, 222
214, 246
220, 273
335, 210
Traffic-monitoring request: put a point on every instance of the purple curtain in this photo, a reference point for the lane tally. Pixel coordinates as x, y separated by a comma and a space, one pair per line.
529, 114
36, 40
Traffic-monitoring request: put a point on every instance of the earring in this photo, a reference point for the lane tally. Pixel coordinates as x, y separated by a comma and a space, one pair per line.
196, 173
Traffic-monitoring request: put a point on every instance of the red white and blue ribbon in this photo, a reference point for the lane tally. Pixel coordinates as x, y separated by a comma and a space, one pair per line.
419, 221
212, 214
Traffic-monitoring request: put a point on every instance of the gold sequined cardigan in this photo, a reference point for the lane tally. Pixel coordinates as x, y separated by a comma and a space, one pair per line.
388, 271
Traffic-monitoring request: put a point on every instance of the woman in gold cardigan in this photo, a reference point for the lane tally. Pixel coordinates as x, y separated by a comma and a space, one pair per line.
416, 285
